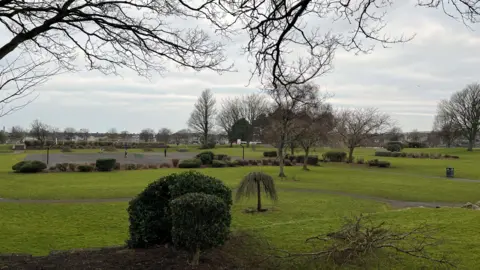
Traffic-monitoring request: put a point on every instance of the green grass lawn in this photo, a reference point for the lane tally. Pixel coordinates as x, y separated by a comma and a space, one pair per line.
39, 228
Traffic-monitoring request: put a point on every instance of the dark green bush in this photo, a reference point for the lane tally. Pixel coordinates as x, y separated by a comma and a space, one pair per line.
383, 154
175, 162
149, 211
17, 166
72, 166
105, 164
400, 144
190, 163
85, 168
32, 166
416, 145
378, 163
335, 156
221, 157
393, 147
270, 154
311, 160
206, 157
219, 164
199, 222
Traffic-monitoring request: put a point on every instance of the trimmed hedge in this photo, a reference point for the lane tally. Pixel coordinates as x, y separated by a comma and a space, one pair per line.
378, 163
206, 157
105, 164
219, 164
199, 221
29, 166
190, 163
85, 168
270, 154
149, 213
311, 160
335, 156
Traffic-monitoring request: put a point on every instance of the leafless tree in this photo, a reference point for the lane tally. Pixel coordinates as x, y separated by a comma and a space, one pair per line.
147, 135
18, 79
230, 112
414, 136
124, 135
203, 115
463, 109
446, 129
39, 131
53, 134
395, 134
84, 132
112, 134
17, 134
136, 34
69, 133
253, 106
314, 127
289, 101
355, 126
163, 135
276, 28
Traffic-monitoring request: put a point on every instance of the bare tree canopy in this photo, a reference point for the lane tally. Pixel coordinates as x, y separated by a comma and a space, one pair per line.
289, 102
69, 133
39, 131
163, 135
135, 34
112, 134
414, 136
315, 126
249, 107
463, 110
17, 134
203, 115
276, 27
446, 129
147, 135
395, 134
355, 126
84, 132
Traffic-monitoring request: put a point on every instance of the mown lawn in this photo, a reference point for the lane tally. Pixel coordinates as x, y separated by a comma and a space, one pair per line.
39, 228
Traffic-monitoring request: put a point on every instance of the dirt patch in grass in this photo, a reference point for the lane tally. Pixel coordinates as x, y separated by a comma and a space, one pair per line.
238, 253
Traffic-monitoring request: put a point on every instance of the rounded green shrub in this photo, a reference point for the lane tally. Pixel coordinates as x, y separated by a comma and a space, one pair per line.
270, 154
149, 213
33, 166
105, 164
219, 164
206, 157
17, 166
393, 147
85, 168
335, 156
190, 163
199, 222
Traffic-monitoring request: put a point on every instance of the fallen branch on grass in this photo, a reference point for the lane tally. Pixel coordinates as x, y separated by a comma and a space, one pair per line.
360, 239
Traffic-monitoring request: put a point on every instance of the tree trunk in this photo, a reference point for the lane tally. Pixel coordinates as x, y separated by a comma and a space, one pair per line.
259, 197
231, 144
280, 159
196, 257
292, 149
305, 163
471, 144
350, 154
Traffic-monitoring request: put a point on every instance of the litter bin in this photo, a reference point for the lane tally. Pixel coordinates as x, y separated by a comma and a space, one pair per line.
450, 172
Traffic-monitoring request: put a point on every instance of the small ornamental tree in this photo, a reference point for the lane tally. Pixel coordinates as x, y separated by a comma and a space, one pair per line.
253, 184
199, 221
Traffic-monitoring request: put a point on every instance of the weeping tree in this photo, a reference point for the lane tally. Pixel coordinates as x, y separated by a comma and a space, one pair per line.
253, 183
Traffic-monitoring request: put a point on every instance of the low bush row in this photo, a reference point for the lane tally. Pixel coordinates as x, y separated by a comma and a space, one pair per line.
414, 155
91, 145
334, 156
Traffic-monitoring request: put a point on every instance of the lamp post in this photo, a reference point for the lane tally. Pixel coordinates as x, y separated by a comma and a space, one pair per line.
243, 151
48, 153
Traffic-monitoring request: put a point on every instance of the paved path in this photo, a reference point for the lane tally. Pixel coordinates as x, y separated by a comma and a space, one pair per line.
393, 203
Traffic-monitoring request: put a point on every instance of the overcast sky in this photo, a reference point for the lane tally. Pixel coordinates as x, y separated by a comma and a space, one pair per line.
405, 80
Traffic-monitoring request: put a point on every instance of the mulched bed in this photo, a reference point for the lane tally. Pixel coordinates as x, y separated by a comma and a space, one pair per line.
113, 258
238, 253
